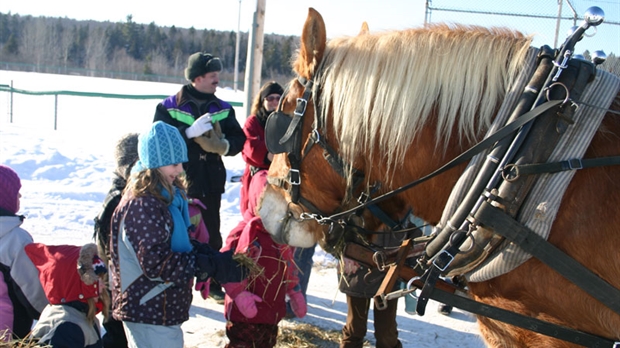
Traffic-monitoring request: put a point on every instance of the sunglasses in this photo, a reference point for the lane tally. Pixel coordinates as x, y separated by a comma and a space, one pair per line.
273, 98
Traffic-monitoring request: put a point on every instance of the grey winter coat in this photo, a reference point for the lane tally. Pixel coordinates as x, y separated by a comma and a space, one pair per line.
20, 274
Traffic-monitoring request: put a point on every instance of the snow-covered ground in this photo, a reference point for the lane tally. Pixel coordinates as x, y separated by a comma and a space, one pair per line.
66, 173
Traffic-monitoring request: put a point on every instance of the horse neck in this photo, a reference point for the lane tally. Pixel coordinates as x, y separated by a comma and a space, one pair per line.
423, 157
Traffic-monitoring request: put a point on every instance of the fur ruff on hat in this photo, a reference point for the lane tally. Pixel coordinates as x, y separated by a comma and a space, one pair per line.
126, 153
161, 146
201, 63
67, 272
9, 189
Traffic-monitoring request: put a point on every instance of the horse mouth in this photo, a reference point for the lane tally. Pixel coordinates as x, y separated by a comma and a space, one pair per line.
282, 221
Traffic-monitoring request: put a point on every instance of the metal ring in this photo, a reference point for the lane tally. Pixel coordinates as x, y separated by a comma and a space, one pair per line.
590, 35
565, 89
510, 177
411, 292
411, 282
471, 246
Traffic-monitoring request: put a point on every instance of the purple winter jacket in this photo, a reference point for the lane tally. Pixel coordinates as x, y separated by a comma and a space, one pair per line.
151, 284
205, 171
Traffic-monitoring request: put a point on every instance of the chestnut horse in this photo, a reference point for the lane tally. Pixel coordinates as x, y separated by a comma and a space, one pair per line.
396, 106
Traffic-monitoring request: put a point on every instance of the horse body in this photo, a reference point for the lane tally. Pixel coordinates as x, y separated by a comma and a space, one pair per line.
398, 105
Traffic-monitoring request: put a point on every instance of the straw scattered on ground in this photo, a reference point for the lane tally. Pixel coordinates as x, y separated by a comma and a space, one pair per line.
27, 342
302, 335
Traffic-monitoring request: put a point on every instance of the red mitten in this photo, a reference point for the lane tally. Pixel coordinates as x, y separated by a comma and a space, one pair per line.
203, 287
298, 303
246, 302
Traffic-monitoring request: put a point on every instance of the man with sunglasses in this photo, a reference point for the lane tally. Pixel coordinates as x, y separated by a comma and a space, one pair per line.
210, 129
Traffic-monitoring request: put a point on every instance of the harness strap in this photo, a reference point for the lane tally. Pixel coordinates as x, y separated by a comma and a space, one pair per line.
465, 156
446, 293
512, 172
553, 257
294, 157
300, 110
522, 321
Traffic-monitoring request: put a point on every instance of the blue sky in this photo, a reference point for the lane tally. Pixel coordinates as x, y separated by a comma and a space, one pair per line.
342, 17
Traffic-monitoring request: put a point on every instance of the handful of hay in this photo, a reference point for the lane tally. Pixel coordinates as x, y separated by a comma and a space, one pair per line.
244, 260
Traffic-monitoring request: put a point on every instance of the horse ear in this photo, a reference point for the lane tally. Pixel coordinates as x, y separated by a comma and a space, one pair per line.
364, 29
313, 41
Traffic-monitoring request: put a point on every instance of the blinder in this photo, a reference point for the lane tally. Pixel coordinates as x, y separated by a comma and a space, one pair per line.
282, 133
276, 127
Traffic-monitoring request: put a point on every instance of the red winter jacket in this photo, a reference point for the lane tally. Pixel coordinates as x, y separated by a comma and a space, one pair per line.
275, 281
279, 276
254, 154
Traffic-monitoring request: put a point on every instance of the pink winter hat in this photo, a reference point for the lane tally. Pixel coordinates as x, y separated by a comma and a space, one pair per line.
9, 188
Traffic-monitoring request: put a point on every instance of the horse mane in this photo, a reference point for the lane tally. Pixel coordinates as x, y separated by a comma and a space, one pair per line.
382, 88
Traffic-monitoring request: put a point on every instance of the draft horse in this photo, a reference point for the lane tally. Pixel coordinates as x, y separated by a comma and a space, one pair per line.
369, 114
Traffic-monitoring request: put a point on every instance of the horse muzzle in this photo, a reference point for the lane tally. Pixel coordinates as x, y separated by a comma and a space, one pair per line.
282, 222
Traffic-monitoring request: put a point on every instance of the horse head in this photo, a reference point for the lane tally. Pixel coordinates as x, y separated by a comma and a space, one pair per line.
281, 217
311, 164
370, 118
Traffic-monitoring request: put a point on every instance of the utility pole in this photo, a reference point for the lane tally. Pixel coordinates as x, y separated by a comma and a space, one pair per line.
236, 79
254, 62
557, 24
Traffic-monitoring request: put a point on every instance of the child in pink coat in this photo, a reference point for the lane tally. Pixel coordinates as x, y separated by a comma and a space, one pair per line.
254, 307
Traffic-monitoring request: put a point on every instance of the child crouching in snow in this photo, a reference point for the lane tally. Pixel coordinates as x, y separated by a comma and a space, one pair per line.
254, 307
72, 278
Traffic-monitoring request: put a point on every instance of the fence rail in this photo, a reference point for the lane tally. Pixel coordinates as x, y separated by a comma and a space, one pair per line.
9, 89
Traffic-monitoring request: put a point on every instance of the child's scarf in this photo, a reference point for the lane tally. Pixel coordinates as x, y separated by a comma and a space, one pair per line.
180, 218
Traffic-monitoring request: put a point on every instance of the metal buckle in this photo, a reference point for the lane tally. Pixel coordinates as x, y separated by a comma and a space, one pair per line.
363, 197
301, 104
578, 163
445, 263
294, 177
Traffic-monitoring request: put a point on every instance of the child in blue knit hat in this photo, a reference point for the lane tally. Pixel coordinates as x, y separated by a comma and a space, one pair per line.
153, 260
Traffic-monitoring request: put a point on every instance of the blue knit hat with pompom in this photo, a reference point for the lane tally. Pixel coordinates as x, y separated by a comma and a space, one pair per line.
161, 146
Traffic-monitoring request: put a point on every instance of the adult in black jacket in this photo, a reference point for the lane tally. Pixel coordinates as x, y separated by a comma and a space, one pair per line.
208, 139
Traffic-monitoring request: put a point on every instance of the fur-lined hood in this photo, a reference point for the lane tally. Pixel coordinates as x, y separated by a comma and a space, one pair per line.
67, 272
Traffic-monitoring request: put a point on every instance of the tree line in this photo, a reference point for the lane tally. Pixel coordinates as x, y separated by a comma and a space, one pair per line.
148, 52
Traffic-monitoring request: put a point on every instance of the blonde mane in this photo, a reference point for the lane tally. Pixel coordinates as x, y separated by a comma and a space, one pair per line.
381, 88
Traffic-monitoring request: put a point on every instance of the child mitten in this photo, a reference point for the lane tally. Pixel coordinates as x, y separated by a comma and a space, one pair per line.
298, 303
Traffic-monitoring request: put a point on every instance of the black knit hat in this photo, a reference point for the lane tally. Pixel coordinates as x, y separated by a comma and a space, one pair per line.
270, 88
201, 63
